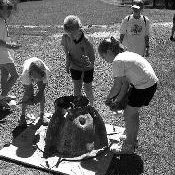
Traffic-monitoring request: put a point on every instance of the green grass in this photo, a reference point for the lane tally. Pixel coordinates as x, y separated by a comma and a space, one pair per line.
92, 12
156, 136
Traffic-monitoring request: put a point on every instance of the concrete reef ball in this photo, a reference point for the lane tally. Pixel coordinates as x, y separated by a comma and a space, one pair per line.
75, 128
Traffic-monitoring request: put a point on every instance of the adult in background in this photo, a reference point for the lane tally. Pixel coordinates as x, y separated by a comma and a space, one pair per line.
134, 31
129, 69
34, 72
80, 56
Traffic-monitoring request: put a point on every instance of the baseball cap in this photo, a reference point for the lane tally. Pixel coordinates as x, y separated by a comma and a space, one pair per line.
137, 4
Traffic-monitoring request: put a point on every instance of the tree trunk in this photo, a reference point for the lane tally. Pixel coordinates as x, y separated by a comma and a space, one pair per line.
166, 4
154, 3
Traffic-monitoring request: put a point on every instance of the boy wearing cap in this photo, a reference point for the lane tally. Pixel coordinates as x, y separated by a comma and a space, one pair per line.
134, 31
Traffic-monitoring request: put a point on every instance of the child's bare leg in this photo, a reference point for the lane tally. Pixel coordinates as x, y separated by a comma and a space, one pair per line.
28, 94
22, 117
9, 69
89, 92
42, 105
131, 116
77, 87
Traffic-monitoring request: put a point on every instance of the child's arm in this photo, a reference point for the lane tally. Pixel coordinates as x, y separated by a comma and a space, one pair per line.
91, 54
123, 28
88, 57
119, 89
9, 46
28, 95
147, 45
122, 37
66, 51
40, 94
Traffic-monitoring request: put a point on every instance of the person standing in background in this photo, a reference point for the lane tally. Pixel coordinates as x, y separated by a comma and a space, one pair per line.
134, 31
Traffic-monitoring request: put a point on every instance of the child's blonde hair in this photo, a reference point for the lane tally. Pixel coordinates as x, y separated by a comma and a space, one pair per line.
110, 44
38, 67
12, 3
71, 23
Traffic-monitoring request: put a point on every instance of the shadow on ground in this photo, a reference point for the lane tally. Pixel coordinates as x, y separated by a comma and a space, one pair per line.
126, 165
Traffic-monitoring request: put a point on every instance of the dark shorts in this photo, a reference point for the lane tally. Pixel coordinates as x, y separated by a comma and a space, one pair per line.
141, 97
87, 75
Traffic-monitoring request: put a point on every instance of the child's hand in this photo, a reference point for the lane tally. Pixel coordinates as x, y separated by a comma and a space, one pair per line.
14, 46
85, 61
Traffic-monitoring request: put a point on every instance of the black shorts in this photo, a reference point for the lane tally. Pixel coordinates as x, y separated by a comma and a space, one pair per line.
87, 75
141, 97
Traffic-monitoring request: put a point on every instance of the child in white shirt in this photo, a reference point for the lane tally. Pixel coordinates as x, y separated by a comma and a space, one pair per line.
129, 69
34, 72
9, 74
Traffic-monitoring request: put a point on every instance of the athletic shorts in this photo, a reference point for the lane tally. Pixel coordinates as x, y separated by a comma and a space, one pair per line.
141, 97
87, 75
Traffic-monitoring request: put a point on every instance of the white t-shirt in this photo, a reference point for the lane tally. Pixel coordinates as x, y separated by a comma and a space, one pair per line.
137, 70
6, 55
135, 31
26, 80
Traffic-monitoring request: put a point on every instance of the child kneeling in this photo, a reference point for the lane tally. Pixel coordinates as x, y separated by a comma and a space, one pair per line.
34, 72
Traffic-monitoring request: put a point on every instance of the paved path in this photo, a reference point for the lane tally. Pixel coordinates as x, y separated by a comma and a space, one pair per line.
97, 31
117, 2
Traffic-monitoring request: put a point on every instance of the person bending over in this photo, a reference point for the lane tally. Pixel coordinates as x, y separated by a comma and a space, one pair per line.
34, 72
132, 69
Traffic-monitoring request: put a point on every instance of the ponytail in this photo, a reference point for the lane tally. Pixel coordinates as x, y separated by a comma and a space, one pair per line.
110, 44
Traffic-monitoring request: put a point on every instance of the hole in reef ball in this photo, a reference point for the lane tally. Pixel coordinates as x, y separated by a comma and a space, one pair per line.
82, 120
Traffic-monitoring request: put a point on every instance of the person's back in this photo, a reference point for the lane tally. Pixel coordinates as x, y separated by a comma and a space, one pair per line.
136, 68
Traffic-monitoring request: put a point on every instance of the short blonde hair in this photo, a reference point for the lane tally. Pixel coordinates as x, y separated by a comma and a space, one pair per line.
38, 67
72, 23
12, 3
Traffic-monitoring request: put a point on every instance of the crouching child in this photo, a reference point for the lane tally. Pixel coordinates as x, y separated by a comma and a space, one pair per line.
35, 72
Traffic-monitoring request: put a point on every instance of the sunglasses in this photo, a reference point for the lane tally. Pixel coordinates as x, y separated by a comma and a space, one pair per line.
8, 7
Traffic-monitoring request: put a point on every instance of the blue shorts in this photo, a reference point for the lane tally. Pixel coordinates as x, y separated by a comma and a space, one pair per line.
87, 75
141, 97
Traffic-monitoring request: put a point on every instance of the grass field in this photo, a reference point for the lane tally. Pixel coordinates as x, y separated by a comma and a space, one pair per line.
91, 12
157, 127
